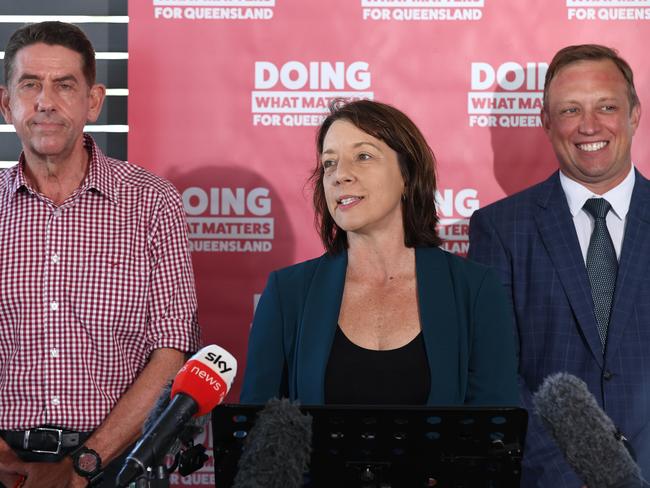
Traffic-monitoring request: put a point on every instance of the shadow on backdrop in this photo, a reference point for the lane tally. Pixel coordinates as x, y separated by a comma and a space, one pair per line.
523, 156
239, 232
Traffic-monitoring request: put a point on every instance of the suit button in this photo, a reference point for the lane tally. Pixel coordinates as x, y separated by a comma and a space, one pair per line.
608, 375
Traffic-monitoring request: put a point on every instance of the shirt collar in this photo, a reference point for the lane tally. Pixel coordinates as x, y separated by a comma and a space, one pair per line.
20, 181
99, 178
618, 197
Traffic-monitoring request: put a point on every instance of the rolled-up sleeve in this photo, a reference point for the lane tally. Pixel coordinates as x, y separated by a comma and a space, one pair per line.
172, 305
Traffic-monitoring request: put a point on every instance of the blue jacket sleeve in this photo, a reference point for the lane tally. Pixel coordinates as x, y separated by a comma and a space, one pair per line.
544, 464
265, 375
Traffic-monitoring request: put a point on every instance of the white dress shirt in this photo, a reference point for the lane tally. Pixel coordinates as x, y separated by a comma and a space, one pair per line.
618, 197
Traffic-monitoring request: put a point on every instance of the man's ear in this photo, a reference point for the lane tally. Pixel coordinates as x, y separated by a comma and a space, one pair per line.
4, 104
96, 96
635, 117
546, 120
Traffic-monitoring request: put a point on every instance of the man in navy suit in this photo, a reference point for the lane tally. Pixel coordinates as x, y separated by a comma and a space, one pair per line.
539, 242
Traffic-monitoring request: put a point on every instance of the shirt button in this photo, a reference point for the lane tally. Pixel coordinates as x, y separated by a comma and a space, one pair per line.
54, 305
55, 258
56, 401
608, 375
56, 213
54, 352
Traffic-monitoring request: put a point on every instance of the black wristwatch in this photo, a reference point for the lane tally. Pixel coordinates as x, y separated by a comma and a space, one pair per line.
88, 464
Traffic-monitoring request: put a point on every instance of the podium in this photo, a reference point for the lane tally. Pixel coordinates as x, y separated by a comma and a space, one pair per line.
392, 447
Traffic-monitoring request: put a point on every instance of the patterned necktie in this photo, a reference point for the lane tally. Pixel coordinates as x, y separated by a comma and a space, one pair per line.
602, 265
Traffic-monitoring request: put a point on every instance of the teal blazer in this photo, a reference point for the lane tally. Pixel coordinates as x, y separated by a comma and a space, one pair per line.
468, 333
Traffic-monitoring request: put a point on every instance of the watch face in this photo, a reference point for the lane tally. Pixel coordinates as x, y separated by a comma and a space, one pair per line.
87, 462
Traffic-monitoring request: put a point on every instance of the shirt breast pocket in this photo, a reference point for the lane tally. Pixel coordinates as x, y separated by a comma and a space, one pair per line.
112, 292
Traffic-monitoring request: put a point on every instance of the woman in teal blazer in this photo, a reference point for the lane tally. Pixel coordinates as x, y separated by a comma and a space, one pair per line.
382, 285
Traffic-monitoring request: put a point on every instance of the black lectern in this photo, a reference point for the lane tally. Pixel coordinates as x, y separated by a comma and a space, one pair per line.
392, 447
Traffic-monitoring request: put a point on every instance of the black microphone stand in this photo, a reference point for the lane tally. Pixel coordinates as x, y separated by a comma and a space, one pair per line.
187, 461
154, 478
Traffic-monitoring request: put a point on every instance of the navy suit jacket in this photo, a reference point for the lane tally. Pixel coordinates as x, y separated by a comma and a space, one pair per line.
531, 240
464, 315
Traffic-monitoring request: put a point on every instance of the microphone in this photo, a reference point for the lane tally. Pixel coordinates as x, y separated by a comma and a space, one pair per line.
200, 385
587, 437
193, 428
278, 448
185, 437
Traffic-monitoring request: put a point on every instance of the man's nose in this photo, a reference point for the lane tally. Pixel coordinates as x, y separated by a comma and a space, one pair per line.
589, 123
45, 99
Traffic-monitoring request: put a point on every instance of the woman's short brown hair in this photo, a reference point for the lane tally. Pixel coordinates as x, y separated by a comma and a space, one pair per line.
416, 162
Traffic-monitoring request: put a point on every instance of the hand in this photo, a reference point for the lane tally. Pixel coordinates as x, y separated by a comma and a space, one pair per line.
10, 479
53, 475
12, 468
77, 482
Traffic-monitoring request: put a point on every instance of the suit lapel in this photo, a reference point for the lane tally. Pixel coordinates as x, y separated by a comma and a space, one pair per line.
318, 325
439, 322
557, 231
633, 263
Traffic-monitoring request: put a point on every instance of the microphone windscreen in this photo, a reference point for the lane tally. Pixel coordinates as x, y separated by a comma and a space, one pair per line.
277, 450
585, 434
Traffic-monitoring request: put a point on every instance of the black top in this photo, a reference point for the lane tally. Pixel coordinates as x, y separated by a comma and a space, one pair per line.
359, 376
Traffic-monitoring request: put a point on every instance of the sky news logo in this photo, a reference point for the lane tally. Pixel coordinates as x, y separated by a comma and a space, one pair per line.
599, 10
229, 219
213, 9
422, 10
297, 94
506, 95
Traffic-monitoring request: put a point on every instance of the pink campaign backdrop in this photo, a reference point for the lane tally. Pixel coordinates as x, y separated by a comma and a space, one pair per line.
224, 96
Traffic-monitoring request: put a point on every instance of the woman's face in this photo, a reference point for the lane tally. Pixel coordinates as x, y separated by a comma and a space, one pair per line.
362, 181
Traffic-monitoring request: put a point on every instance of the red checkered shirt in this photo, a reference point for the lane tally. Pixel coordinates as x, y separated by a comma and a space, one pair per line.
87, 291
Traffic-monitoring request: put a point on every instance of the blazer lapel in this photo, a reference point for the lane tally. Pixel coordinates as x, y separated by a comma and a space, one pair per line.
558, 234
439, 322
633, 263
318, 325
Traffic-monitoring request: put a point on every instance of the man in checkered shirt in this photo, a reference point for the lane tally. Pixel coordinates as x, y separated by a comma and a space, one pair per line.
97, 299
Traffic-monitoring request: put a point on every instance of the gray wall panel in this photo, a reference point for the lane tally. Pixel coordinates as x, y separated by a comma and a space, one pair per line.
9, 146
